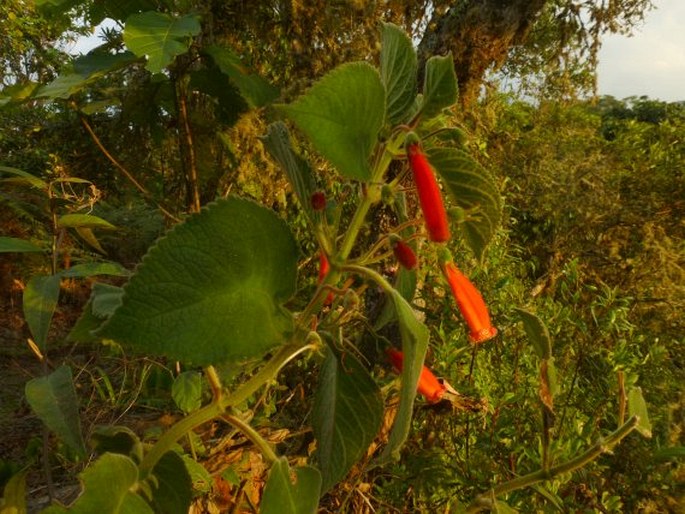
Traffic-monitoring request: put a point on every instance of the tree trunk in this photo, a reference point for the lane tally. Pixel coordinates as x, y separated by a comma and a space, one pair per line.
479, 33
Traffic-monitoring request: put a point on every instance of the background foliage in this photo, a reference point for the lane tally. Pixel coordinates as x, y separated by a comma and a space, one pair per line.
591, 239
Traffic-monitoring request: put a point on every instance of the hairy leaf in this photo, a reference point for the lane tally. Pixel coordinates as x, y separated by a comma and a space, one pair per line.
347, 415
398, 72
341, 115
212, 289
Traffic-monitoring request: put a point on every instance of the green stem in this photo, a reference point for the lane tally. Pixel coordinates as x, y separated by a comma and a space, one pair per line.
371, 274
219, 406
253, 436
484, 501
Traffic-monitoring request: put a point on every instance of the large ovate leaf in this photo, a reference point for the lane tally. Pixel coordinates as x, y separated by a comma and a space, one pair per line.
341, 115
414, 345
229, 102
638, 407
160, 37
299, 172
398, 72
473, 189
62, 87
212, 289
170, 485
117, 439
537, 333
347, 414
257, 91
107, 488
39, 303
53, 399
283, 495
101, 62
440, 85
14, 244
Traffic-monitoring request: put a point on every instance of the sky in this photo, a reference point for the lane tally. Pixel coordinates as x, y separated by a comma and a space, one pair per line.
652, 61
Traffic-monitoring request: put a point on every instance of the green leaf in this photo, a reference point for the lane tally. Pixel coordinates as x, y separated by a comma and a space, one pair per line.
398, 72
670, 453
347, 414
299, 172
638, 407
254, 89
40, 300
160, 37
13, 500
62, 87
474, 190
341, 115
212, 289
537, 333
54, 401
171, 486
14, 244
107, 487
25, 177
17, 93
200, 478
101, 62
230, 104
103, 301
414, 345
84, 221
501, 507
187, 391
88, 236
440, 85
548, 383
282, 495
117, 439
405, 283
91, 269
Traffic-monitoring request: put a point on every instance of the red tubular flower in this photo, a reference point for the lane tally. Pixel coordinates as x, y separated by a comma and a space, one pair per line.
324, 268
430, 197
470, 303
429, 386
404, 254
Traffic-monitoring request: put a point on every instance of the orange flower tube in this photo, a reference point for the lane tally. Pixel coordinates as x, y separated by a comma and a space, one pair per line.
470, 303
430, 196
429, 386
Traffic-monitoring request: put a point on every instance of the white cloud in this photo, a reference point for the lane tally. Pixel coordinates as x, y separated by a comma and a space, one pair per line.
652, 61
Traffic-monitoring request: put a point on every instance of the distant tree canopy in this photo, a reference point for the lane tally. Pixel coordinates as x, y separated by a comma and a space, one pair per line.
550, 43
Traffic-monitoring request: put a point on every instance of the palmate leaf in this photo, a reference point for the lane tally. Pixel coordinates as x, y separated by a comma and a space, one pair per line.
473, 189
341, 115
160, 37
346, 417
212, 289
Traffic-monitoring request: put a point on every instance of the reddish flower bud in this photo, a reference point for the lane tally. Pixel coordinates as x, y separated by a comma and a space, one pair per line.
429, 386
430, 196
470, 303
404, 254
318, 200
